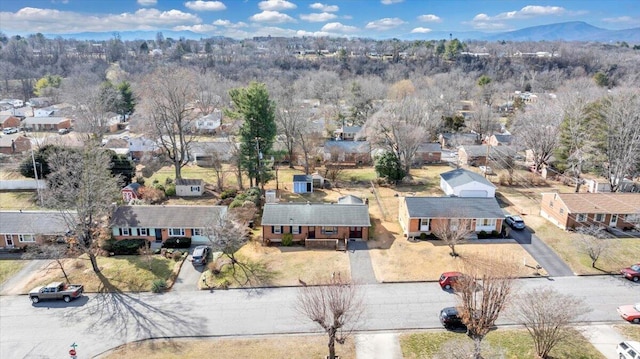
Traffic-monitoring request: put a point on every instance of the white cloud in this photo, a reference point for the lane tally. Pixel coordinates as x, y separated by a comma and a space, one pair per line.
229, 24
420, 30
276, 5
272, 17
385, 24
485, 22
389, 2
321, 17
147, 2
200, 5
621, 19
32, 20
200, 28
339, 28
324, 7
429, 18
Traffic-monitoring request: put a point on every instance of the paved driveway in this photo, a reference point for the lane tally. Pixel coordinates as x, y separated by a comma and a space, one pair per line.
544, 255
189, 275
360, 261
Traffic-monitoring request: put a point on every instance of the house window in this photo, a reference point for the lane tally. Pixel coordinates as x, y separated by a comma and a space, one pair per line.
176, 232
486, 222
26, 238
599, 217
196, 231
295, 230
277, 229
581, 217
125, 232
143, 231
551, 204
329, 230
561, 211
195, 188
425, 224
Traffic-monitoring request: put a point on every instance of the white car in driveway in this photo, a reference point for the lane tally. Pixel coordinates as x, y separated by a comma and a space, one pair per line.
628, 350
9, 130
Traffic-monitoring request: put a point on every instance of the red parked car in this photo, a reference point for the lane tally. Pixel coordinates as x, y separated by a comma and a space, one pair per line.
447, 279
632, 273
630, 313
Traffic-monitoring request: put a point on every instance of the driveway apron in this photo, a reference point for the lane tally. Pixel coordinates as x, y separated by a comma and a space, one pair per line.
378, 346
360, 261
544, 255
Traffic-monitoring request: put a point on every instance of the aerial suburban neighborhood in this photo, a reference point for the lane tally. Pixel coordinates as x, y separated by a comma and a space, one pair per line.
195, 182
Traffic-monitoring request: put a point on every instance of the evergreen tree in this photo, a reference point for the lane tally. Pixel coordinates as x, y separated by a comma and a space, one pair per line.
258, 132
388, 166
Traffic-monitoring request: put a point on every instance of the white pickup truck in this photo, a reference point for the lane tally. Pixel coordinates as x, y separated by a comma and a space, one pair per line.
56, 290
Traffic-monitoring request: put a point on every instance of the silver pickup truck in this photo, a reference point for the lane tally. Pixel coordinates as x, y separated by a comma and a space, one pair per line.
56, 290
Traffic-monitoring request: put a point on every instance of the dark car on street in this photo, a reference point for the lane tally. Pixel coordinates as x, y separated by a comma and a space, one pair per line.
450, 319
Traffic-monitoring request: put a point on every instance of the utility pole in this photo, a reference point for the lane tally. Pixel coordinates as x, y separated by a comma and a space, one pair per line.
35, 172
486, 161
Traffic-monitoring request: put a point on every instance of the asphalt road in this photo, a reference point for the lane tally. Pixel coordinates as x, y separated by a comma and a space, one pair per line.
99, 322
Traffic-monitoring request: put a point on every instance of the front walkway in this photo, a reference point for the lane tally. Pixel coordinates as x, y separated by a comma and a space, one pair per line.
604, 338
360, 261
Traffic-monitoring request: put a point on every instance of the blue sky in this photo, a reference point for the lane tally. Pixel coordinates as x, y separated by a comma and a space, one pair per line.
378, 19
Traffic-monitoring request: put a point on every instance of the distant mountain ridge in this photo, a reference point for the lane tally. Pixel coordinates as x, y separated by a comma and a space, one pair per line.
565, 31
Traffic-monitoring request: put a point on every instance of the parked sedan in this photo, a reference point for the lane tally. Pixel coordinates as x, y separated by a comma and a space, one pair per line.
450, 319
632, 273
515, 222
630, 313
10, 130
200, 255
448, 279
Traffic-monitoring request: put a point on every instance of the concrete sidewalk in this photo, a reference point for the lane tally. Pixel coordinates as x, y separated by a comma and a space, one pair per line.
378, 346
604, 338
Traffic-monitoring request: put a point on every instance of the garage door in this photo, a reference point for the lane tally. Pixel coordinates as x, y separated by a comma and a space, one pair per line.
473, 193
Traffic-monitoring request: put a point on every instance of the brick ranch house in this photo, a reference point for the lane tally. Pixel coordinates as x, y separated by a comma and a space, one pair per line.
419, 215
316, 224
158, 223
22, 228
572, 210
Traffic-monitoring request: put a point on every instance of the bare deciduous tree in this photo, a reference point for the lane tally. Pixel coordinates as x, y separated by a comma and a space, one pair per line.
482, 295
595, 242
538, 130
228, 232
291, 118
621, 136
335, 305
82, 188
91, 104
548, 316
166, 101
483, 121
452, 231
401, 126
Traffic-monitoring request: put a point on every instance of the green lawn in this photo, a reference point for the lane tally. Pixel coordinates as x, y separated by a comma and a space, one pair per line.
9, 267
515, 344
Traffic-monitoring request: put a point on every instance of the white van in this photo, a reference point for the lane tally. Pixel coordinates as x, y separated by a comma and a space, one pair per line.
628, 350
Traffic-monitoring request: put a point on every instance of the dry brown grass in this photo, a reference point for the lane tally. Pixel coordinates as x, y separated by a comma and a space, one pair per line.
292, 263
312, 346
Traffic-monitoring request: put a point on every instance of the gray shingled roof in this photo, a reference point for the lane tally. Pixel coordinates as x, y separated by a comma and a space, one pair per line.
302, 178
348, 146
32, 222
453, 207
316, 214
429, 147
461, 176
165, 216
189, 182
